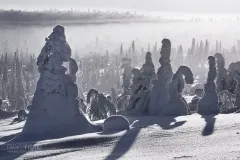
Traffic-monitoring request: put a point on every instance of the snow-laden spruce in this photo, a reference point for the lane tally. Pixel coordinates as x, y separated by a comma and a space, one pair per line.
114, 96
55, 112
122, 103
160, 90
148, 68
208, 104
226, 101
232, 72
177, 105
141, 87
100, 107
237, 92
127, 75
221, 73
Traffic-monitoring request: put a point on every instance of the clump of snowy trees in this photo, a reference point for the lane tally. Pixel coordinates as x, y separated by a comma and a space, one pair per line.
100, 107
17, 80
103, 71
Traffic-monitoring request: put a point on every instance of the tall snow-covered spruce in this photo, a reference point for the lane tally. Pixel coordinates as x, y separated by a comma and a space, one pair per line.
208, 104
160, 91
127, 75
55, 111
221, 83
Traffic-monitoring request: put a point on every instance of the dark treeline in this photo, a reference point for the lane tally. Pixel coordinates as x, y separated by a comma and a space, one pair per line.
68, 15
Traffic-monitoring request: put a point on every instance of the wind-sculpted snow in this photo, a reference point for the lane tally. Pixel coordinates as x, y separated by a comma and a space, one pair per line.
186, 137
177, 106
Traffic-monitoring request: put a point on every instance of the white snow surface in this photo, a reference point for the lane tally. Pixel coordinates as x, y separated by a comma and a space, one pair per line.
160, 138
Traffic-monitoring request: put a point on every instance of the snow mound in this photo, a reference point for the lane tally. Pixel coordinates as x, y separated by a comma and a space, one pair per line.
115, 123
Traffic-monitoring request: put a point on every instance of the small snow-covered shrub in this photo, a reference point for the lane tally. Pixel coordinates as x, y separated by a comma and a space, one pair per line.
22, 115
100, 107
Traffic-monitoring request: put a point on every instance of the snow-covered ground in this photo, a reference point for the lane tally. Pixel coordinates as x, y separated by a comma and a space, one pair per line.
187, 137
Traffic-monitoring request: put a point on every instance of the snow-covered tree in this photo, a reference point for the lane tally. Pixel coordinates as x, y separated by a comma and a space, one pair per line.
5, 79
127, 75
19, 91
160, 90
221, 73
27, 88
133, 47
226, 100
141, 87
179, 57
55, 108
208, 104
121, 50
232, 72
100, 107
237, 92
177, 106
206, 49
114, 96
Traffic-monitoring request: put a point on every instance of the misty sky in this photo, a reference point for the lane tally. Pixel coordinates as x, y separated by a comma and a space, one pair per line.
209, 6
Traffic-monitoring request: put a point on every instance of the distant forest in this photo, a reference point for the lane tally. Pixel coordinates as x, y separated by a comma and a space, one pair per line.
17, 16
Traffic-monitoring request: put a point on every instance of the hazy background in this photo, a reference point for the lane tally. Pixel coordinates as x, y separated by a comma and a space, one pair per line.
82, 38
202, 6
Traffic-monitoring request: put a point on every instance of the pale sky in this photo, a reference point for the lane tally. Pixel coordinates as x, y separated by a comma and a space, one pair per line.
202, 6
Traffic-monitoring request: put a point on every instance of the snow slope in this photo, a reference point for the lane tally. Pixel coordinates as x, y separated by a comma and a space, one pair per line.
186, 137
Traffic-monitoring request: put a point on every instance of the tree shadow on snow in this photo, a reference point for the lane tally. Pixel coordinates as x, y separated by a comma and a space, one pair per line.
124, 144
128, 139
166, 123
6, 115
170, 123
209, 127
13, 150
8, 137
